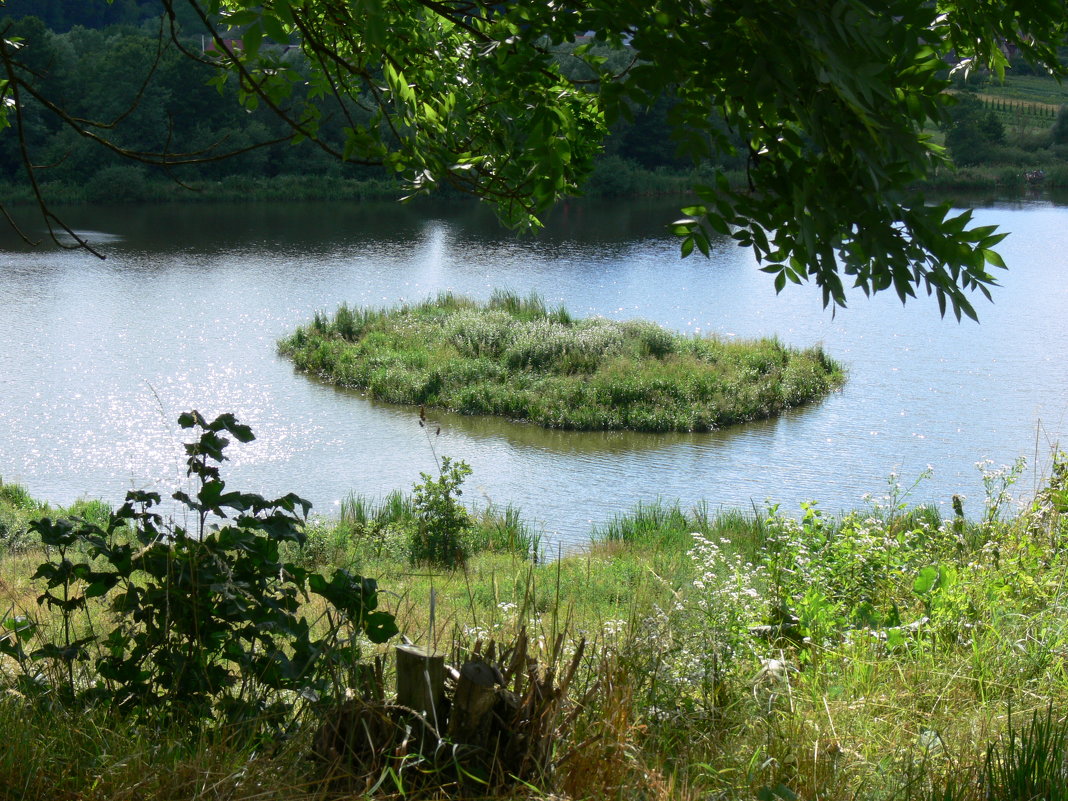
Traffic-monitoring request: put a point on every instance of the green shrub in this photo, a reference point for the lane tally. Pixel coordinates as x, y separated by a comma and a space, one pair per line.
443, 525
120, 183
208, 624
613, 176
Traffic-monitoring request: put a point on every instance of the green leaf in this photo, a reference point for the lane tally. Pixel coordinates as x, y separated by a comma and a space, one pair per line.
994, 258
701, 238
895, 639
926, 580
21, 627
718, 224
274, 28
100, 586
380, 626
237, 19
192, 419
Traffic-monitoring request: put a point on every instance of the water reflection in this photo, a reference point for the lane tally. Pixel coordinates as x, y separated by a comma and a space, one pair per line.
603, 443
98, 358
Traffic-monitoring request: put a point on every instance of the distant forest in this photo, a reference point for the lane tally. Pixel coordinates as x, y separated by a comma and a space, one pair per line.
92, 57
62, 15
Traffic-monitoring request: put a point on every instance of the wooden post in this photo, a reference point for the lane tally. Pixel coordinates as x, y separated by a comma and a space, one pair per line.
421, 681
475, 695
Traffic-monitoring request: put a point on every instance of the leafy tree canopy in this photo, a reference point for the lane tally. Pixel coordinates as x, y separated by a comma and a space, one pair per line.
974, 133
826, 100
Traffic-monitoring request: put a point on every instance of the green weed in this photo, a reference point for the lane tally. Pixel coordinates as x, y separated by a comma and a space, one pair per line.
728, 655
205, 621
442, 534
516, 358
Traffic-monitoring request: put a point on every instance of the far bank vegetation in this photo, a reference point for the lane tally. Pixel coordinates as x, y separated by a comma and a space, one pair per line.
514, 357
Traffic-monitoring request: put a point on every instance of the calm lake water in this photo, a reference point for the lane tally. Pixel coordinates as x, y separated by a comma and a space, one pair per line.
98, 358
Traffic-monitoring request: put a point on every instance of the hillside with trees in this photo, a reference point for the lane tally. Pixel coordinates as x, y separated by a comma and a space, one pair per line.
1009, 132
106, 62
146, 99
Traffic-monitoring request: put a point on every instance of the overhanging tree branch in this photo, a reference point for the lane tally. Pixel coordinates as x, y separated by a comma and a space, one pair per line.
828, 99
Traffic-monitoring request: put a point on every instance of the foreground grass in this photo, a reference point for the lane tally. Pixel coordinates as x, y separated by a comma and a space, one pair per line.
882, 654
515, 358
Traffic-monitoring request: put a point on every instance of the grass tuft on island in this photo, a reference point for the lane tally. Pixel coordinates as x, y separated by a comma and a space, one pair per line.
514, 357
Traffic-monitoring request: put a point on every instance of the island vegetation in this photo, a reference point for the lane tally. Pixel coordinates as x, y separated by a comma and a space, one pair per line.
516, 358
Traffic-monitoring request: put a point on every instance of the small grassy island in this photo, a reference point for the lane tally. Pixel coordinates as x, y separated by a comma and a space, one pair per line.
515, 358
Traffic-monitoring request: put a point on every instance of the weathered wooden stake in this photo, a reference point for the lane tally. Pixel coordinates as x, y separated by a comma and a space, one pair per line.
421, 681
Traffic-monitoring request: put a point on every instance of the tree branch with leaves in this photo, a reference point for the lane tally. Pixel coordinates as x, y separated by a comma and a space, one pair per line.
830, 102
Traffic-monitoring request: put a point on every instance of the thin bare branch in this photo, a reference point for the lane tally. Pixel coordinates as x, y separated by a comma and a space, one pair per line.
17, 228
14, 82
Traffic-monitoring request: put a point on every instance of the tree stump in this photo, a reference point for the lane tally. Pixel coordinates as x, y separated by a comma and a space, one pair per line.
469, 719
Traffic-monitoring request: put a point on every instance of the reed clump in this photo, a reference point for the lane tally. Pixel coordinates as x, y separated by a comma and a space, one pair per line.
372, 528
514, 357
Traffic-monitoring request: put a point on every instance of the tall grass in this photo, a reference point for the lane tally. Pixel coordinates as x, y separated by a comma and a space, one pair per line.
369, 527
18, 509
662, 524
1030, 762
889, 653
647, 524
532, 307
514, 357
51, 754
361, 510
16, 496
503, 530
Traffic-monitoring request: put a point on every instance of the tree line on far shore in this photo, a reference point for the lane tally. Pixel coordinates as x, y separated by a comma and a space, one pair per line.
96, 56
188, 109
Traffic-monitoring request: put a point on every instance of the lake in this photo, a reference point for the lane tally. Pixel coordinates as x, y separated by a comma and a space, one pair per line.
98, 358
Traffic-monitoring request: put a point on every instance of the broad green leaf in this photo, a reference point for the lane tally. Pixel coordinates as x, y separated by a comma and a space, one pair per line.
926, 580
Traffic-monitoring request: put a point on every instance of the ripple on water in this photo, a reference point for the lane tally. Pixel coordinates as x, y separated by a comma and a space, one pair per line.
98, 358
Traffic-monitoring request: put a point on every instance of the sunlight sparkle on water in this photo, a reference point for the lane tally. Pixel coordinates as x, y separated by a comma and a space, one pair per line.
97, 359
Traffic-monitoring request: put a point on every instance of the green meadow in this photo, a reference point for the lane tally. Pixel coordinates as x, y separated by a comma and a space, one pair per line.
893, 652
